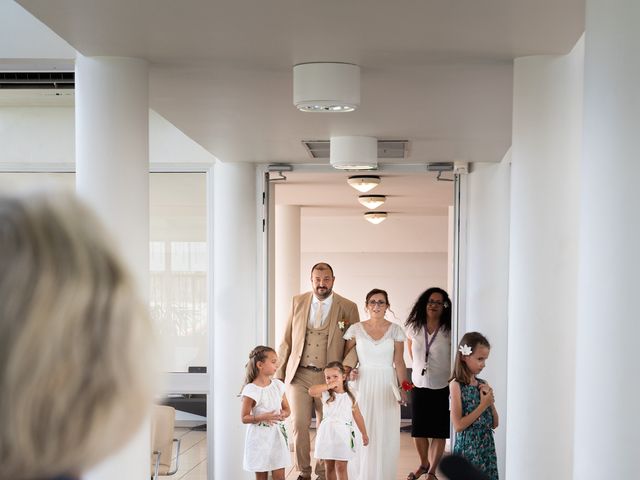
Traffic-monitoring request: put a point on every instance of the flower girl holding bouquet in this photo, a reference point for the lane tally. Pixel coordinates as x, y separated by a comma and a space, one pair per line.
473, 412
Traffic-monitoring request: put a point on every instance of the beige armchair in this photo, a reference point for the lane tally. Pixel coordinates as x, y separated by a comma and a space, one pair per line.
162, 425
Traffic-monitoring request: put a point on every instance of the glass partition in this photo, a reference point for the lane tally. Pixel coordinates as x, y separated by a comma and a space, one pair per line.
178, 267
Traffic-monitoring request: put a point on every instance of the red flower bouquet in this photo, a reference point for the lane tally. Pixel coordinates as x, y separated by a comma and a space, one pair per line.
406, 386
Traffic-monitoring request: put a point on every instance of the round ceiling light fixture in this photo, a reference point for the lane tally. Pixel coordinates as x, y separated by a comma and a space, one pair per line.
372, 201
375, 217
353, 153
326, 87
364, 183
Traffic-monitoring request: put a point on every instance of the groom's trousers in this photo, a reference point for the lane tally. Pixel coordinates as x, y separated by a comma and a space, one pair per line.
302, 406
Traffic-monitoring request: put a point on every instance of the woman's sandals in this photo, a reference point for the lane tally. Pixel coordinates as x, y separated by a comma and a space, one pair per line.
422, 470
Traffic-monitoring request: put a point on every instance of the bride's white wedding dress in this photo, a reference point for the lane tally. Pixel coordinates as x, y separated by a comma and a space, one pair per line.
378, 404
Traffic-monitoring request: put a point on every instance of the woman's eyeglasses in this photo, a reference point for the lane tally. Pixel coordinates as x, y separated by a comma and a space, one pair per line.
435, 302
380, 303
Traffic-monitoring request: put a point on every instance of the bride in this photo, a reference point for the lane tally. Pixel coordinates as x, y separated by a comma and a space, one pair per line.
380, 347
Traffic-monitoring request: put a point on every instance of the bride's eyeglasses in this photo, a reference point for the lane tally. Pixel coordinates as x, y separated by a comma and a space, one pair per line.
373, 303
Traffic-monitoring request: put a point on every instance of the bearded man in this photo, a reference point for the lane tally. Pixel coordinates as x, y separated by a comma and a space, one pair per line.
312, 339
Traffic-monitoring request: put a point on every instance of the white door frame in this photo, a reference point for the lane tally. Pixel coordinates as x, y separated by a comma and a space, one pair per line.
458, 247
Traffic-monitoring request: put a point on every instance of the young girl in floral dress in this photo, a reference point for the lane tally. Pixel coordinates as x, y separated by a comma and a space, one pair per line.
264, 408
336, 441
473, 412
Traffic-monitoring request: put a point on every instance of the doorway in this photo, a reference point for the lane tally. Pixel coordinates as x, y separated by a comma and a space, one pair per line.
316, 215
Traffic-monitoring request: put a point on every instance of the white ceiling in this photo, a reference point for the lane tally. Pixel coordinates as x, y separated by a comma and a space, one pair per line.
435, 72
322, 194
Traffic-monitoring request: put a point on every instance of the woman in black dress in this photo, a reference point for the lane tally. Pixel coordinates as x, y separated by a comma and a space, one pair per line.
429, 331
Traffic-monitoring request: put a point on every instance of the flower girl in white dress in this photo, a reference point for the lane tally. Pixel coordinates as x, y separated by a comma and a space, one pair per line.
336, 438
264, 408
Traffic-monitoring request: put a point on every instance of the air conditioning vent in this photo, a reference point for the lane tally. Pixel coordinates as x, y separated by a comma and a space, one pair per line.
386, 148
37, 80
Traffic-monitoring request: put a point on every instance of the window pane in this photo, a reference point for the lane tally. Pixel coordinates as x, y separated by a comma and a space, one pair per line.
178, 258
156, 260
178, 261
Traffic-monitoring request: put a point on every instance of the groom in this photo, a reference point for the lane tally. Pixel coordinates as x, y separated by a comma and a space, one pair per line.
312, 339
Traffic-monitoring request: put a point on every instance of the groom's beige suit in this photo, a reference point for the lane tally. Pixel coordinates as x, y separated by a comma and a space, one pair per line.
303, 353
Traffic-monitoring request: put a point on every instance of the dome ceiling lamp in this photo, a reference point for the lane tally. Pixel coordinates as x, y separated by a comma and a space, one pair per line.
353, 153
372, 201
364, 183
375, 217
326, 87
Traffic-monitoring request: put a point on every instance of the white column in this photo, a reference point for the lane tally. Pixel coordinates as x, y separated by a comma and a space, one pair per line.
547, 126
607, 389
112, 175
487, 276
287, 263
234, 303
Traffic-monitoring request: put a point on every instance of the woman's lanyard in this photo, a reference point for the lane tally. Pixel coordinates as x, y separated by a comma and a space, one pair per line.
428, 346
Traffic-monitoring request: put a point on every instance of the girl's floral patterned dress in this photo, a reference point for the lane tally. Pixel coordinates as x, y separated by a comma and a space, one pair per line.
475, 443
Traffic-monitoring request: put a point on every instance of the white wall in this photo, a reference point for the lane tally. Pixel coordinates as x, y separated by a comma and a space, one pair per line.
606, 420
168, 144
487, 277
543, 264
40, 135
286, 264
399, 233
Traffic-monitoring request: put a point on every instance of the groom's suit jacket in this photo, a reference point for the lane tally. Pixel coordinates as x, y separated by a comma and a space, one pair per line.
342, 314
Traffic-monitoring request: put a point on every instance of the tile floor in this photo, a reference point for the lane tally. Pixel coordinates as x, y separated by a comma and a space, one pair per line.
193, 454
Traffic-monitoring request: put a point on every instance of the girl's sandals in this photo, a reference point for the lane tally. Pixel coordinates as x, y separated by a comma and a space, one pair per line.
421, 471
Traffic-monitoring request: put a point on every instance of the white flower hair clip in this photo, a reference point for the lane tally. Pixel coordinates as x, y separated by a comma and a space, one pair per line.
465, 350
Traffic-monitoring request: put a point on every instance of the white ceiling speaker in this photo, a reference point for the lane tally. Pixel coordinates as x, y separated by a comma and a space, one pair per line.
326, 87
364, 183
372, 201
353, 153
375, 217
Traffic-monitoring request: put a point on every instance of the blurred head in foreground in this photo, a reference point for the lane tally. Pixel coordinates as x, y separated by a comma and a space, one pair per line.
75, 371
456, 467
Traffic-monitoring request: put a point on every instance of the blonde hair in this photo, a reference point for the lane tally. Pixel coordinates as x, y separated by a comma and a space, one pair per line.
461, 372
258, 354
75, 370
